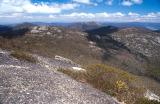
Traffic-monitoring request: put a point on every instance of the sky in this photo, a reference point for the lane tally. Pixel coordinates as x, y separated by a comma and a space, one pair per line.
15, 11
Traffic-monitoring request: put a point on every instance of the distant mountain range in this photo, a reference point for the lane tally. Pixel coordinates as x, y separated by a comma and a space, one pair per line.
151, 26
92, 25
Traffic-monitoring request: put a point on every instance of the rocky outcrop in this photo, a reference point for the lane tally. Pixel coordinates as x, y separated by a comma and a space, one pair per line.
151, 96
23, 82
139, 40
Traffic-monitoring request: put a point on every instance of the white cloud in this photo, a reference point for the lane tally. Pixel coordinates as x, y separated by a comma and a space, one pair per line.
55, 8
83, 1
118, 14
109, 17
152, 15
51, 16
82, 17
127, 3
109, 2
25, 10
25, 6
94, 15
137, 1
88, 2
133, 14
131, 2
104, 16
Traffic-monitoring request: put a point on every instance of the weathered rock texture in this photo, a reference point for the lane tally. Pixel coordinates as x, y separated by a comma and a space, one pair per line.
28, 83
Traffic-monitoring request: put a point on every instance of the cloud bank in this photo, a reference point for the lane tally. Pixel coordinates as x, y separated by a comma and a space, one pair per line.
85, 17
26, 6
25, 10
109, 17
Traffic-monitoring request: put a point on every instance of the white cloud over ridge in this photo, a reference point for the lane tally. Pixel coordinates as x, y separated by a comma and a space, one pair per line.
94, 15
84, 17
108, 17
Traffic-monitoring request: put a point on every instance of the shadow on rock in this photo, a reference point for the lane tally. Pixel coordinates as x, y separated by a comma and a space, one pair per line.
104, 40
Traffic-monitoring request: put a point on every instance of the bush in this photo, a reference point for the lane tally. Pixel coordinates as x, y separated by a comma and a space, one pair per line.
121, 86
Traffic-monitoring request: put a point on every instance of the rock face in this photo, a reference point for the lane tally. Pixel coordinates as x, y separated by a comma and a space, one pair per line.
136, 40
143, 43
151, 96
57, 63
139, 40
28, 83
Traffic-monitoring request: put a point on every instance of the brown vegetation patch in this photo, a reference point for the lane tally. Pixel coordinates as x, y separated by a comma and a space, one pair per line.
21, 55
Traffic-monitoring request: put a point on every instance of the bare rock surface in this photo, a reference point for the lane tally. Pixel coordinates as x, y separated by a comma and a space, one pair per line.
139, 40
56, 63
28, 83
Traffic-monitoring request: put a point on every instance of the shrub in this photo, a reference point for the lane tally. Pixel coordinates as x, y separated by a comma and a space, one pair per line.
121, 86
110, 80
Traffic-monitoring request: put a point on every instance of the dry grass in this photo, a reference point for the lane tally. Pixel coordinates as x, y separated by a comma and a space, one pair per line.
146, 101
74, 49
154, 71
23, 56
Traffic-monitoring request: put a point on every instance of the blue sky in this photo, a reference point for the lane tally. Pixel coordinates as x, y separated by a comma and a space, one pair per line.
79, 11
